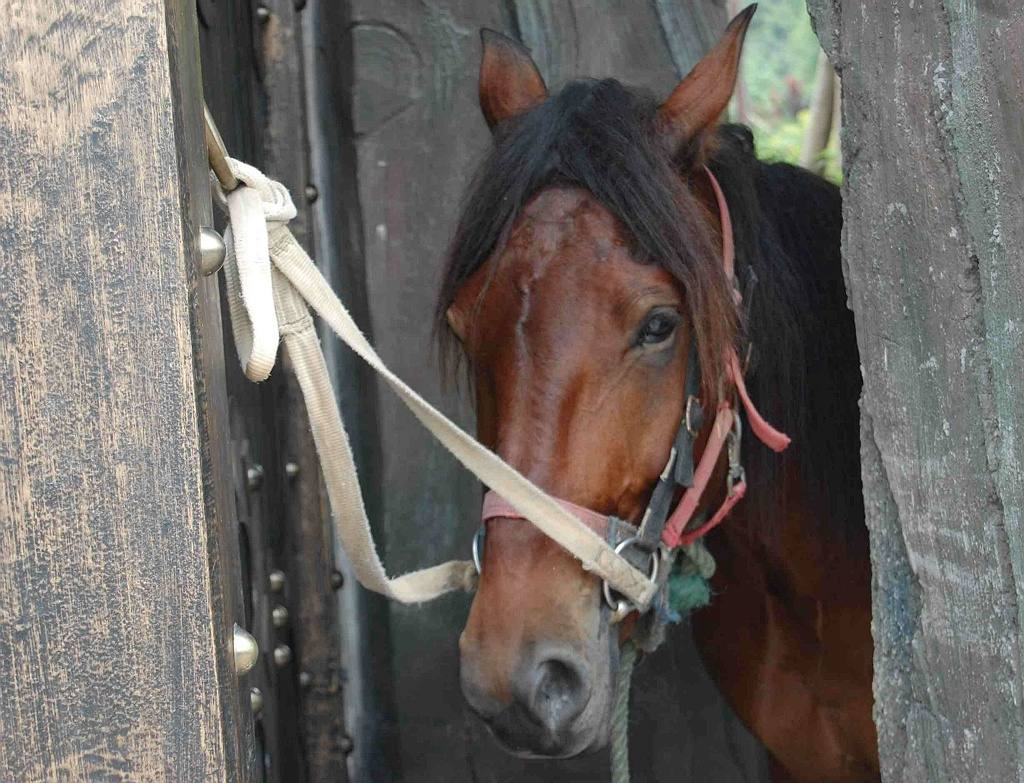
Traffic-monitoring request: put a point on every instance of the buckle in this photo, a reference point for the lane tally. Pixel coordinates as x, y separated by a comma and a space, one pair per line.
737, 473
620, 606
694, 417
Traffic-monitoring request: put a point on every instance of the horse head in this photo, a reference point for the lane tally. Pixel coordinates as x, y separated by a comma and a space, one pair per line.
586, 264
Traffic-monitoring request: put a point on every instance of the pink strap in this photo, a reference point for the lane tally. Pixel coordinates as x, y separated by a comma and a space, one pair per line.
728, 246
765, 432
495, 506
675, 532
735, 496
684, 512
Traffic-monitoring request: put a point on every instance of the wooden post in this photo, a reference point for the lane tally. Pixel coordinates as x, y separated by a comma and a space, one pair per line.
933, 230
114, 616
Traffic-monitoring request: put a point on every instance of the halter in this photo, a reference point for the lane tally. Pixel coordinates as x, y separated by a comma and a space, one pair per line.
272, 284
661, 530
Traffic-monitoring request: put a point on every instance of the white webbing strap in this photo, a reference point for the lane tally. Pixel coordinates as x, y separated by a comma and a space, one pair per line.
339, 468
247, 266
305, 285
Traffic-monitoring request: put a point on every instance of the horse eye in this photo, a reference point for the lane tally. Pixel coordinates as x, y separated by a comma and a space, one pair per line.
657, 329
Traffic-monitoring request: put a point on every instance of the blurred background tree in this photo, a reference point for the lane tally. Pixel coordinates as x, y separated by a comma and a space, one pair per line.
788, 94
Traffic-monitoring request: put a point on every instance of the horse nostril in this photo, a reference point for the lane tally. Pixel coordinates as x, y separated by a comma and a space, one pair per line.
561, 689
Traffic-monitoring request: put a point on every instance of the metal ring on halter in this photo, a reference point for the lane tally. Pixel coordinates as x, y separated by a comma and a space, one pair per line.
478, 549
620, 606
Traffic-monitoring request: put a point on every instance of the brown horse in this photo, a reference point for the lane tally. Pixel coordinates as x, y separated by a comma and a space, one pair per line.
586, 264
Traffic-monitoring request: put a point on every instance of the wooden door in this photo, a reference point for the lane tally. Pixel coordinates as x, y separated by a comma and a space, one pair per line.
116, 573
151, 498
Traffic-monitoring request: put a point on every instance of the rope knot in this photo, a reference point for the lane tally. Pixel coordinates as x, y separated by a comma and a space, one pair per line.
275, 199
255, 203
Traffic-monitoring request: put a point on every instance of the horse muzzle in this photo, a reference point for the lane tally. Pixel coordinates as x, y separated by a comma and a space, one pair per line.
551, 710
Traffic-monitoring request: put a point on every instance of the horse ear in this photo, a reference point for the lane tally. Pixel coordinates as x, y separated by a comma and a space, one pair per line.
693, 108
510, 83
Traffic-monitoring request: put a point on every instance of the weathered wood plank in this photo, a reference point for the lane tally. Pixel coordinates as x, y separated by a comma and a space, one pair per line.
113, 655
933, 225
652, 44
418, 134
211, 396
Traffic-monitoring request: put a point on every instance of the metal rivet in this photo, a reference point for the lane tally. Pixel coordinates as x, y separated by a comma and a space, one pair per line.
312, 194
279, 616
262, 13
211, 251
276, 580
345, 744
254, 476
256, 701
305, 679
337, 579
291, 469
282, 655
245, 651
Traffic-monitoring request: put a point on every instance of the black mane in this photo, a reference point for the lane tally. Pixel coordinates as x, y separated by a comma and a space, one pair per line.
804, 372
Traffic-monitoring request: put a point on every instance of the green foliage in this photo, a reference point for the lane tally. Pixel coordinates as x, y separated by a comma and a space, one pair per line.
777, 75
780, 53
782, 139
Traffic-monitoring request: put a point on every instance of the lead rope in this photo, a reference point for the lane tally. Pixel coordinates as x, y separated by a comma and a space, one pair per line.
688, 589
620, 713
272, 284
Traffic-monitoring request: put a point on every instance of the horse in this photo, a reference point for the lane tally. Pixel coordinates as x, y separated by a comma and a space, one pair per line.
585, 270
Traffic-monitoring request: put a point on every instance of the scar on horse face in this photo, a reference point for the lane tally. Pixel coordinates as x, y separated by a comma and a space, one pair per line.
585, 265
